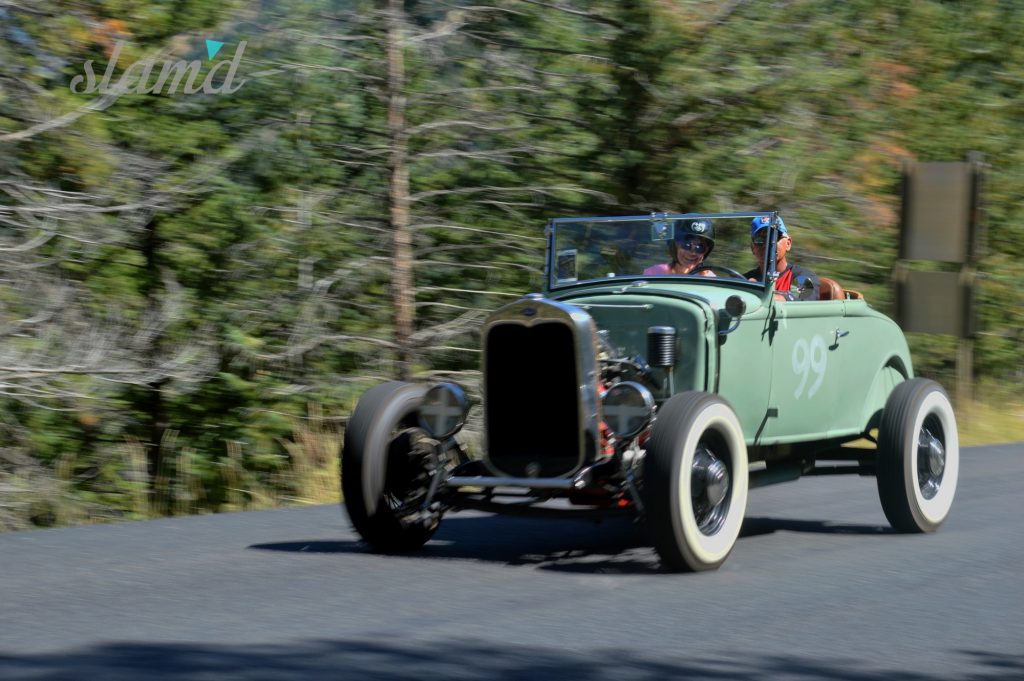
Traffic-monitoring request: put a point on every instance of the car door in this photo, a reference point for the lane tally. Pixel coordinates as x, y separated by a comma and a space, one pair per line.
806, 372
744, 370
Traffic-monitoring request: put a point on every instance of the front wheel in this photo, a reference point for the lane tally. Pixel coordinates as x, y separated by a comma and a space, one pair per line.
918, 456
386, 468
695, 481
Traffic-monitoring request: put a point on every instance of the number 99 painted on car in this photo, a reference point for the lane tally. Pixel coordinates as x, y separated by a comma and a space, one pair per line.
810, 361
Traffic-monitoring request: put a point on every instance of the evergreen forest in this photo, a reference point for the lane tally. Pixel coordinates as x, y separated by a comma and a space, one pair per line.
198, 280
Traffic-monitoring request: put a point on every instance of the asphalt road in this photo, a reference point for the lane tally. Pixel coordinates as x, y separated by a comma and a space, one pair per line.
817, 587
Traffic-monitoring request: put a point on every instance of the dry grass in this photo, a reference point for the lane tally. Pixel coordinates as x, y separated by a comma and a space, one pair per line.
983, 423
314, 451
33, 494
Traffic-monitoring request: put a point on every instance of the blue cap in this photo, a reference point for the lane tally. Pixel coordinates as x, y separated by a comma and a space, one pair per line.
762, 221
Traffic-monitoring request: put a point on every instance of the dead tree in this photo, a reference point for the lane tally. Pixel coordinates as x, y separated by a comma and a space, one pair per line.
439, 95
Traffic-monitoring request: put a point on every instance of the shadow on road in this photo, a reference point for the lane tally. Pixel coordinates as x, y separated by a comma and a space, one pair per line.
757, 526
616, 545
450, 659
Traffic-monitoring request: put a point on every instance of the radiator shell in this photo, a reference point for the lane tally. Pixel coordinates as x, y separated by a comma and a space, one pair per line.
541, 404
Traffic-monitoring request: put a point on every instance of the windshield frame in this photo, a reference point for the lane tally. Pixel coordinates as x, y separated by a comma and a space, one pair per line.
551, 283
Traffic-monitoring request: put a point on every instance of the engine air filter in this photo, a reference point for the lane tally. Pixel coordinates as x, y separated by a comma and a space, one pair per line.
661, 346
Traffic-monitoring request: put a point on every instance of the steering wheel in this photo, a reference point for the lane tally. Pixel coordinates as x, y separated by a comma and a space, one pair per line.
718, 268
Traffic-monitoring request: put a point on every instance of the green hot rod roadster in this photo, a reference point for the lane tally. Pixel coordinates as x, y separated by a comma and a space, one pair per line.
664, 396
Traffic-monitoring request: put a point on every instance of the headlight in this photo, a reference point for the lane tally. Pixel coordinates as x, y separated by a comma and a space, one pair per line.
628, 408
444, 410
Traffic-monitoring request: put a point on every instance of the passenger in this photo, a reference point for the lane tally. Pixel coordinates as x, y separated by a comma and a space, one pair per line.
794, 282
693, 241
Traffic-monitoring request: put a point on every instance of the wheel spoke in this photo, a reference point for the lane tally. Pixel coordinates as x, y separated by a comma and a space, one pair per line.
408, 478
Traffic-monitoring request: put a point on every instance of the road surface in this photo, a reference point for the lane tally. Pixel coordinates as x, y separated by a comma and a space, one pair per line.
817, 587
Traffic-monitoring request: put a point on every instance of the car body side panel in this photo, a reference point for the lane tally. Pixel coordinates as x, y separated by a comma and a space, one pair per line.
745, 372
793, 371
878, 358
808, 370
886, 380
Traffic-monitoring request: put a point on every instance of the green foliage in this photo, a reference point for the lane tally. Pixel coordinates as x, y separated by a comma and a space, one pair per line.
250, 266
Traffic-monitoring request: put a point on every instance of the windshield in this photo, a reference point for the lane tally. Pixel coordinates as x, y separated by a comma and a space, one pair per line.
658, 245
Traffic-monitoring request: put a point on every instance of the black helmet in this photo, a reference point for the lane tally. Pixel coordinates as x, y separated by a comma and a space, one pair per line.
702, 227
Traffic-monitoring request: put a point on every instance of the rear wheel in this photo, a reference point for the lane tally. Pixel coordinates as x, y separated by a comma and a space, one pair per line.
386, 468
918, 456
695, 481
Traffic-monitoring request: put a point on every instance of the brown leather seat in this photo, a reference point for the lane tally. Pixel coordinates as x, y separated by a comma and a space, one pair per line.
829, 289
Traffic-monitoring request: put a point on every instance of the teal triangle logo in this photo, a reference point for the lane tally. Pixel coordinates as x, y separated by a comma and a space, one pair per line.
213, 47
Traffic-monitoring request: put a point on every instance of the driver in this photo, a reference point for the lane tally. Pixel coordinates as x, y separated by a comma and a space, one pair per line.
693, 241
794, 282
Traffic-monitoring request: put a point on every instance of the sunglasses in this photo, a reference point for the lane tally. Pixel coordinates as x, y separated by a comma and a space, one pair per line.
694, 244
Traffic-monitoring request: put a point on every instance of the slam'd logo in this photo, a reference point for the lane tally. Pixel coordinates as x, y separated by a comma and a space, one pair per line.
150, 76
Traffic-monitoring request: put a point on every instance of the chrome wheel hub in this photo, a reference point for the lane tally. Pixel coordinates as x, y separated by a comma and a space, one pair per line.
931, 463
709, 489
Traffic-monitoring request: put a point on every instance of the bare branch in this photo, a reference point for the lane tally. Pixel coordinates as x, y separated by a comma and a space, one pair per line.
463, 228
504, 294
593, 16
98, 104
544, 190
438, 125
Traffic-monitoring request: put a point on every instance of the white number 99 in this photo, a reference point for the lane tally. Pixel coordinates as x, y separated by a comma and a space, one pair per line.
809, 358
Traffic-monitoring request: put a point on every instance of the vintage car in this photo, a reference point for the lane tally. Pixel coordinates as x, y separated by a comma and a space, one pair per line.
663, 396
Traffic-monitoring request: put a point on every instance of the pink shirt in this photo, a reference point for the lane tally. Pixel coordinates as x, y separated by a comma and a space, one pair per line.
662, 268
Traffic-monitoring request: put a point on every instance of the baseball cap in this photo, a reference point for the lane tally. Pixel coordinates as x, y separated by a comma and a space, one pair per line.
762, 221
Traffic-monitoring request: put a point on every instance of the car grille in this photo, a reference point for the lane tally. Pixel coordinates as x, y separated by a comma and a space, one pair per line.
531, 397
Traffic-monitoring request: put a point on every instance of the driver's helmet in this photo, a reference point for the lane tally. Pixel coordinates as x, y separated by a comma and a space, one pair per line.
701, 227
